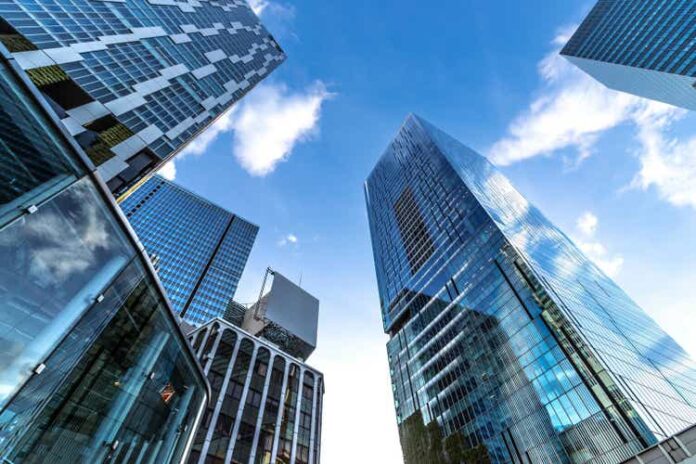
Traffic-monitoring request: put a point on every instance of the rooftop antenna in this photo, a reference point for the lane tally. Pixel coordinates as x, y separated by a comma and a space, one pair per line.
257, 310
300, 283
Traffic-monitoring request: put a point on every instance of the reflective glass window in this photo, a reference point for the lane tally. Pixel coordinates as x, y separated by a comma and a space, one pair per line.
34, 160
55, 263
131, 391
222, 430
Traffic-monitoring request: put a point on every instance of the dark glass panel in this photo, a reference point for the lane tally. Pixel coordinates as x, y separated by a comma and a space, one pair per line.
34, 160
287, 425
305, 424
250, 414
222, 431
264, 446
216, 375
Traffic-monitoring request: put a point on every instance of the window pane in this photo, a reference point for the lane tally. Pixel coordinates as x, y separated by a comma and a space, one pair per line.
130, 391
54, 264
33, 158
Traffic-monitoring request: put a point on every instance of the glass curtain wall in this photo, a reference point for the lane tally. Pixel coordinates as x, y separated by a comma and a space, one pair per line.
93, 367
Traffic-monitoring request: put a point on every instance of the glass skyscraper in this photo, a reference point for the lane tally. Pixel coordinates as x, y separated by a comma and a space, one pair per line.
134, 80
501, 330
199, 248
93, 366
643, 47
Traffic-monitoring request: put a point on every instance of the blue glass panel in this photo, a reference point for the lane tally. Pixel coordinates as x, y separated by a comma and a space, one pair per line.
199, 249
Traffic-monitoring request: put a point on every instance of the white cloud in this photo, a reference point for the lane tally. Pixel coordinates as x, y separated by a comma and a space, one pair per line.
587, 225
279, 14
271, 121
64, 249
223, 123
258, 6
267, 124
668, 165
168, 170
290, 239
611, 265
573, 111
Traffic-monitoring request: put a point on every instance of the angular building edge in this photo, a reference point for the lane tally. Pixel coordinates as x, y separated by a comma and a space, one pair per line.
511, 214
91, 172
208, 340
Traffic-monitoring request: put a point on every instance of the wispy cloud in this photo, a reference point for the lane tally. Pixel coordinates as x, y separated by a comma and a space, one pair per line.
668, 165
587, 225
267, 125
289, 239
258, 6
572, 111
279, 16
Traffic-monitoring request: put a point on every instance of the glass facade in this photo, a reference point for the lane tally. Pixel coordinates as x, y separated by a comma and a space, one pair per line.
199, 249
644, 47
134, 80
266, 404
93, 366
500, 328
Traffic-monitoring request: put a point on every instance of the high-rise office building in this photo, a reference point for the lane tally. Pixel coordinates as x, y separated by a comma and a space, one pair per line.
266, 404
93, 366
135, 80
643, 47
501, 330
200, 248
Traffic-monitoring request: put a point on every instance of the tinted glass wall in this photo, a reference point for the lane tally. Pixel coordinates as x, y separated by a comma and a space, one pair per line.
93, 367
199, 248
267, 404
503, 331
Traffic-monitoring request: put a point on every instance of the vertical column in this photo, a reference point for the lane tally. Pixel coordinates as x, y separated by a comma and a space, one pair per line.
242, 402
206, 345
315, 409
262, 407
242, 447
320, 411
213, 350
218, 403
206, 332
281, 409
298, 404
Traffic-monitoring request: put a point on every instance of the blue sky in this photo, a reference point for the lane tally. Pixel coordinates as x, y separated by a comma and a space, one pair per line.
615, 172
